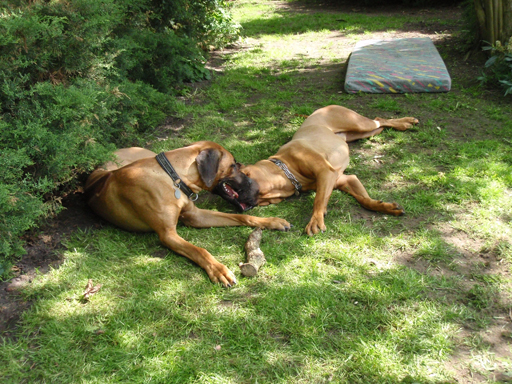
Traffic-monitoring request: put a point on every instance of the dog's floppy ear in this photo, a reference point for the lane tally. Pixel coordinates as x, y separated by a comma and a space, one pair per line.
208, 162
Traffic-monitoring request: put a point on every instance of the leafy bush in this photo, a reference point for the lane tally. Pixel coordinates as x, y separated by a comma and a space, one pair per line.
80, 78
500, 64
469, 37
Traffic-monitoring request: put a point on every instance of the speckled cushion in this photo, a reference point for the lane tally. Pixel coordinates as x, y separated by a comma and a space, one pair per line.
397, 66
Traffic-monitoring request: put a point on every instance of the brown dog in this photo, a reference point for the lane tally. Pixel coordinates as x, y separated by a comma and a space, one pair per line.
137, 194
315, 159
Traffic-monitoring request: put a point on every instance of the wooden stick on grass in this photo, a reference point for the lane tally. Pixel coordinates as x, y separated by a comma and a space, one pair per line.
255, 257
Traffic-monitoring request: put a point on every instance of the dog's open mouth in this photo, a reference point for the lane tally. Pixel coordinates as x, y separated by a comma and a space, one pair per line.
227, 192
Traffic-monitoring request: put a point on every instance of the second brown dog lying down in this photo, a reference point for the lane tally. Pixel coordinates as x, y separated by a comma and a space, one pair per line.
144, 192
315, 159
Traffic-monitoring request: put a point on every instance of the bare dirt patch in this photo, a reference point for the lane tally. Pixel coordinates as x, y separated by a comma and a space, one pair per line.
43, 249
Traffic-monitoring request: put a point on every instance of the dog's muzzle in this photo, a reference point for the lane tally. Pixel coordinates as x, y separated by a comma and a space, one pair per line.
228, 193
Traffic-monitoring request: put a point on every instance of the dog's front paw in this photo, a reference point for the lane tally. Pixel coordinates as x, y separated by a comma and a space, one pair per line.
278, 224
219, 273
316, 225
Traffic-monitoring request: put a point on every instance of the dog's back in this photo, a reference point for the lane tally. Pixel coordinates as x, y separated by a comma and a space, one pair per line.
98, 182
124, 156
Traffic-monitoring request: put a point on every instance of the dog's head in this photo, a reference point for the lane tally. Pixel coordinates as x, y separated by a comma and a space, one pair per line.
256, 188
238, 190
221, 175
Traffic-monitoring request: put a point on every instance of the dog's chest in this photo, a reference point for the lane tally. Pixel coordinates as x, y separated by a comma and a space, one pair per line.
338, 157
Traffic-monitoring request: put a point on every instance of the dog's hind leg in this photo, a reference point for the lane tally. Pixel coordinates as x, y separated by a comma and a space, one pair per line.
369, 130
352, 185
399, 124
353, 126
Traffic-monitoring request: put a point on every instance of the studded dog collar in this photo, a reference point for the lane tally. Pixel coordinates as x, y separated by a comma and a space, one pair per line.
289, 175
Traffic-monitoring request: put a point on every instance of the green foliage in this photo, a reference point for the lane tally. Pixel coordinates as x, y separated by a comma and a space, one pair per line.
162, 62
470, 33
206, 21
500, 63
80, 78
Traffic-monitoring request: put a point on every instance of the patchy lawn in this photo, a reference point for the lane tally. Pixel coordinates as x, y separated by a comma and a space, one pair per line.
421, 298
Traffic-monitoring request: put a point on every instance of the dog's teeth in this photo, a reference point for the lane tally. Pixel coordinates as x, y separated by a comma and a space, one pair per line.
230, 191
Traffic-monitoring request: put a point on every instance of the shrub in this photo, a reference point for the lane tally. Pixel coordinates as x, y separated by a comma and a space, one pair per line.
80, 78
500, 64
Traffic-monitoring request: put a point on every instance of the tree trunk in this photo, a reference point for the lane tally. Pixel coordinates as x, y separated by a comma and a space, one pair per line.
494, 20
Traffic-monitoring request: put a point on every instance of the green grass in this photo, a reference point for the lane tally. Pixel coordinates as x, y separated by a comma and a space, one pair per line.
375, 299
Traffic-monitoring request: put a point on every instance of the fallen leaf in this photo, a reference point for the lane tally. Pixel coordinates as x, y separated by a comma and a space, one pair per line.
90, 289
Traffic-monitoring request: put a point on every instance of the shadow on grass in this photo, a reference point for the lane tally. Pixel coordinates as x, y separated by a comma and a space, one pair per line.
289, 22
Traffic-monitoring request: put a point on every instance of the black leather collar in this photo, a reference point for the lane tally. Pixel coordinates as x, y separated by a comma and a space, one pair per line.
168, 168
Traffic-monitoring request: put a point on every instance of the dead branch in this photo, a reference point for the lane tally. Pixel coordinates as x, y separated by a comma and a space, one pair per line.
255, 257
